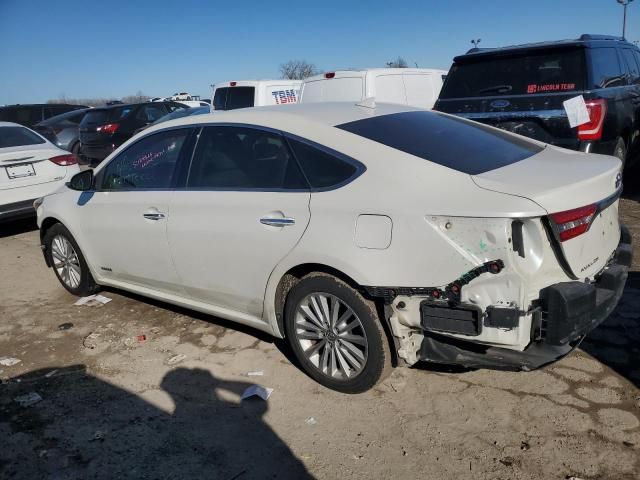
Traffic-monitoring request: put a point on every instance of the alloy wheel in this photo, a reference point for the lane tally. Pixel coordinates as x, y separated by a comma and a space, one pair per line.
65, 261
331, 336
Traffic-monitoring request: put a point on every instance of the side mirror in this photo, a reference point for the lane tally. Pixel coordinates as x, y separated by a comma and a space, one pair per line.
81, 182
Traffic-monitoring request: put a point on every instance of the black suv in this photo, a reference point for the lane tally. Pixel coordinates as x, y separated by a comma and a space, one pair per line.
104, 129
29, 115
522, 89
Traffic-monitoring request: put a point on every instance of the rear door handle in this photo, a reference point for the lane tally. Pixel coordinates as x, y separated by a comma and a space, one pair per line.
153, 216
277, 222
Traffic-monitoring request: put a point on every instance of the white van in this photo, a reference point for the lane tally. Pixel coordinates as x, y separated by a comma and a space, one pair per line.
254, 93
418, 87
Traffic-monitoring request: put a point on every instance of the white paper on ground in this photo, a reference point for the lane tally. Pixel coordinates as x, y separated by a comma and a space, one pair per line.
257, 390
9, 361
92, 300
257, 373
577, 112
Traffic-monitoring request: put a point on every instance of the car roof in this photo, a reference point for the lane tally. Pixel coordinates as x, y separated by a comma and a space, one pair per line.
374, 71
64, 116
585, 40
284, 116
12, 124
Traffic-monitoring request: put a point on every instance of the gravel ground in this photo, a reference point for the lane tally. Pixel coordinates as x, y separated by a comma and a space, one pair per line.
140, 389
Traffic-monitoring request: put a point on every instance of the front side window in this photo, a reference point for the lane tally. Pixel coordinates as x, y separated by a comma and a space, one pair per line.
149, 163
240, 158
150, 113
322, 168
605, 68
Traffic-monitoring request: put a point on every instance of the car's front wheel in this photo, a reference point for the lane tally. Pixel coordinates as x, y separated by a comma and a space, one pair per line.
336, 334
67, 261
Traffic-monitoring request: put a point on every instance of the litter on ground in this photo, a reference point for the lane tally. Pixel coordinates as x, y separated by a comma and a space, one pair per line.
28, 399
93, 300
257, 373
176, 359
257, 391
9, 361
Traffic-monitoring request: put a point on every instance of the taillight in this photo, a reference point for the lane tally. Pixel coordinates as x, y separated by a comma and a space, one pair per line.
233, 84
592, 130
109, 128
329, 74
64, 160
572, 223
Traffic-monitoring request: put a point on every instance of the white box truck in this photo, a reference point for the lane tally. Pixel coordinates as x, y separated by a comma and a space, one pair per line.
254, 93
418, 87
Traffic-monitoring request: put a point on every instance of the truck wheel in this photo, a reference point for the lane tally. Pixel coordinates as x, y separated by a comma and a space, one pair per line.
336, 334
620, 151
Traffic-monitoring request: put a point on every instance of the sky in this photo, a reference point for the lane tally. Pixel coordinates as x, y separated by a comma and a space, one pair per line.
113, 48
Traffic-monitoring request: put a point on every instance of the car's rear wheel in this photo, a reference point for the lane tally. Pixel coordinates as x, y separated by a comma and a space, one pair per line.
67, 261
336, 334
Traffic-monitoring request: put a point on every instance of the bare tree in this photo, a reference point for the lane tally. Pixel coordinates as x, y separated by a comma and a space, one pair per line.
139, 97
398, 63
297, 70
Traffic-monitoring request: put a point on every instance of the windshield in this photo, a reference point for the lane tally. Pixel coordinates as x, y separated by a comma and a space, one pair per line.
18, 137
230, 98
522, 74
468, 147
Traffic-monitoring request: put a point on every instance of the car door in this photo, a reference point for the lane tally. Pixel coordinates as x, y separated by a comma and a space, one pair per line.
244, 208
124, 220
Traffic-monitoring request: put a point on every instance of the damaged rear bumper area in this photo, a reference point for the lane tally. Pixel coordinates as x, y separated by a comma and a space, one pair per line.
566, 313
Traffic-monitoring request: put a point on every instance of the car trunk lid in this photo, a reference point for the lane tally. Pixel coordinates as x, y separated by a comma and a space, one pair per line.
579, 191
28, 165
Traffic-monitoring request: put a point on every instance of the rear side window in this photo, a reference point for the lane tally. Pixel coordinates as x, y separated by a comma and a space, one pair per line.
239, 158
527, 73
17, 137
323, 168
148, 163
150, 113
96, 116
231, 98
605, 68
632, 67
449, 141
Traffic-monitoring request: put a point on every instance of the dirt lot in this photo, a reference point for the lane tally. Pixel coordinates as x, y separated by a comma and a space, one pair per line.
118, 406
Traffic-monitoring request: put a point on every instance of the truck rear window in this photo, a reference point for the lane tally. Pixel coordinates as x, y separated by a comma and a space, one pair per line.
231, 98
527, 73
465, 146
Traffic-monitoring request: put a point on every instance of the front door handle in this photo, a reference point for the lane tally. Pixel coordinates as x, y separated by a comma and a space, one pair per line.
277, 222
153, 216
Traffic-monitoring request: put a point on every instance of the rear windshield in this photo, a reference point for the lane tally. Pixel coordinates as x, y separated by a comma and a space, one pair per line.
524, 74
465, 146
230, 98
105, 115
18, 137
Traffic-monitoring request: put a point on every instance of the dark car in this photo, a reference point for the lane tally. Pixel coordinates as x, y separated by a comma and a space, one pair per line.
63, 130
29, 115
186, 112
104, 129
522, 89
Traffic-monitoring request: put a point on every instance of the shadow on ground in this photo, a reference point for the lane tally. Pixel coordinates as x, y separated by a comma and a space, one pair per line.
616, 342
87, 428
16, 227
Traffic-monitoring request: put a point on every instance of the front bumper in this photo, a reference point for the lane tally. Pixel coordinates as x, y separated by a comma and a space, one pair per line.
566, 313
17, 210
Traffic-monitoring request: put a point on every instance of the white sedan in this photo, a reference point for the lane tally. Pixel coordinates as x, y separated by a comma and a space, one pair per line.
30, 167
367, 236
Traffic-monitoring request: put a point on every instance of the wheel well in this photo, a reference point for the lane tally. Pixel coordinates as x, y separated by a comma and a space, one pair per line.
295, 274
47, 223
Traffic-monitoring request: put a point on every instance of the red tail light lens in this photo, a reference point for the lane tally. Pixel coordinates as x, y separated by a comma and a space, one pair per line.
233, 84
572, 223
329, 74
64, 160
593, 129
109, 128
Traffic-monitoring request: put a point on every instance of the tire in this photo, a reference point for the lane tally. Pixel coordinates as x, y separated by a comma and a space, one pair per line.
329, 354
73, 272
620, 151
